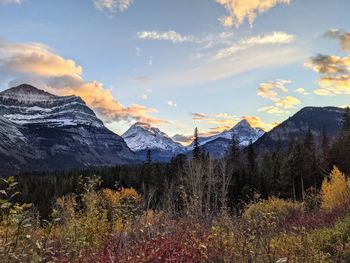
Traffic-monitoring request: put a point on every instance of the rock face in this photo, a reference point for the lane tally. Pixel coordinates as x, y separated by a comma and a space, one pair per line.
315, 119
141, 137
41, 131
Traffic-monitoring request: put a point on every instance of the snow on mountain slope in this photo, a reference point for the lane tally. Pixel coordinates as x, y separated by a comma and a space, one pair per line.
142, 136
26, 104
243, 132
41, 131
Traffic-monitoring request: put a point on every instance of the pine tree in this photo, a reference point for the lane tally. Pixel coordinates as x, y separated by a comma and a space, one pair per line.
346, 120
251, 162
339, 153
234, 166
196, 148
325, 141
310, 171
149, 156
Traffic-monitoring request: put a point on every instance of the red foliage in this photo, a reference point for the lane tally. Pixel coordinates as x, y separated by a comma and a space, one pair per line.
317, 219
173, 248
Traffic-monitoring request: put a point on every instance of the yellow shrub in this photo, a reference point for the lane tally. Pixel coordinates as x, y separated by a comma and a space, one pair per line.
335, 192
273, 207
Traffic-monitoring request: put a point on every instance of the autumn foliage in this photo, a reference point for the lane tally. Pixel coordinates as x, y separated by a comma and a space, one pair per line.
112, 226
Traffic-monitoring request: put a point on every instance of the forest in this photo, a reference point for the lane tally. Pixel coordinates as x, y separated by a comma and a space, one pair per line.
286, 205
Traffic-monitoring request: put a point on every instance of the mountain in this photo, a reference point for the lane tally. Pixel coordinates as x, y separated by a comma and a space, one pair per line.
141, 137
41, 131
315, 119
217, 145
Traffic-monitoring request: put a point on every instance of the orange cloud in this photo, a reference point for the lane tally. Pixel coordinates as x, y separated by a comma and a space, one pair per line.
239, 10
63, 77
37, 59
334, 74
334, 70
271, 90
256, 122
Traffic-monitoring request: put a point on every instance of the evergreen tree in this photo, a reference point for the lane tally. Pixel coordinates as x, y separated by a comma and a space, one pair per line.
325, 141
310, 168
234, 166
339, 153
196, 148
346, 120
251, 156
149, 156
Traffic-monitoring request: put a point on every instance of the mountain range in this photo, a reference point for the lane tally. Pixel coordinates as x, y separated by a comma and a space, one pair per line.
42, 131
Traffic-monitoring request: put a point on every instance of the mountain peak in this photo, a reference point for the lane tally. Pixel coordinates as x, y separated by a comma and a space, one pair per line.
143, 125
242, 123
141, 136
26, 104
25, 92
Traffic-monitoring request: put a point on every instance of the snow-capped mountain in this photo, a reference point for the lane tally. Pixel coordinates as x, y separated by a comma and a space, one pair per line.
141, 137
41, 131
26, 104
243, 133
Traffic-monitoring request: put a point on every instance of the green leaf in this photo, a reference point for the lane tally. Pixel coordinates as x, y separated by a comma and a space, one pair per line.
11, 180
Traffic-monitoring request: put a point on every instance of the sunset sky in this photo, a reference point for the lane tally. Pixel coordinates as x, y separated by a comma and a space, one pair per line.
178, 64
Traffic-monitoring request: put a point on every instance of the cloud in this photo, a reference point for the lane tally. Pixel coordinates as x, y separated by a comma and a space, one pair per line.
209, 70
37, 59
166, 36
144, 97
183, 139
171, 103
196, 116
220, 56
112, 5
222, 119
61, 76
239, 10
142, 79
257, 122
272, 90
302, 91
334, 70
268, 39
272, 110
288, 102
7, 2
214, 131
342, 36
334, 74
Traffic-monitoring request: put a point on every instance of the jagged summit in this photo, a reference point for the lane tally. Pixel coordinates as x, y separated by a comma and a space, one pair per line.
243, 132
142, 136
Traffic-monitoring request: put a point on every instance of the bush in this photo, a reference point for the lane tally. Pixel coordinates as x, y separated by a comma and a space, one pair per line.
335, 191
276, 209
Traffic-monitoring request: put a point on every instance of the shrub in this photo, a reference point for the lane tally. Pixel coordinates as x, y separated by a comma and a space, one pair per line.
335, 191
276, 209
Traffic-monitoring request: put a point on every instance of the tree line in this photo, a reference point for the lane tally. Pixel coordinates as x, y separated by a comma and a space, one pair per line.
207, 184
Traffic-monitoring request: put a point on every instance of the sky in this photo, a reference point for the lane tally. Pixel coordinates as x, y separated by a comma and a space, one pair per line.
181, 64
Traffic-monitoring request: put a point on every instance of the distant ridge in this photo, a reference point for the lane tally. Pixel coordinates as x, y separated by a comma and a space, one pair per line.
315, 119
